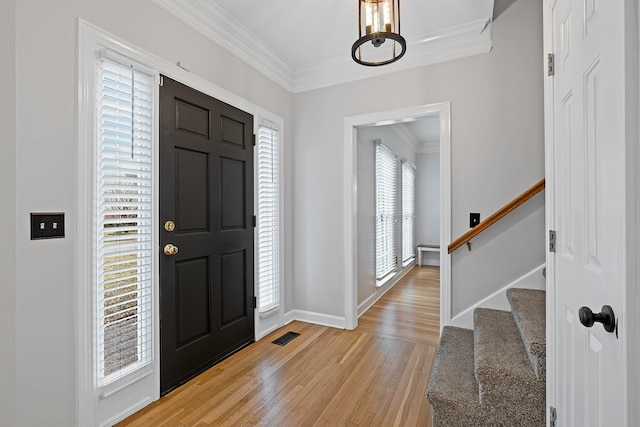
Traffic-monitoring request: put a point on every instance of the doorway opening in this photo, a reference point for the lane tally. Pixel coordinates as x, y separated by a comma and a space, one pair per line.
382, 122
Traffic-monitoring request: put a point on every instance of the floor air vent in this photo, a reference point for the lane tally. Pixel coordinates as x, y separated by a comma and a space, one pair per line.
286, 338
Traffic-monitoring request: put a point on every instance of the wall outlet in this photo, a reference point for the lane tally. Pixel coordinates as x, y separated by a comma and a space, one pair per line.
474, 219
47, 225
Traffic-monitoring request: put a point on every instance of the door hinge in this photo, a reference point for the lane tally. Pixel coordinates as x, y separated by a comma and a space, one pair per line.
161, 81
255, 220
553, 416
551, 64
254, 139
552, 240
255, 302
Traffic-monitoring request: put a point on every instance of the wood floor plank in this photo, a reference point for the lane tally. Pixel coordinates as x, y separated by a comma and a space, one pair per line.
374, 376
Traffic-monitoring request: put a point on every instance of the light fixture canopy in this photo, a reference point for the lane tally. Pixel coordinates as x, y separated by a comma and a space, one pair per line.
379, 41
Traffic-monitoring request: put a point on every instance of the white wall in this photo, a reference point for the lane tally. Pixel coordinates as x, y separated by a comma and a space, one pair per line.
367, 205
7, 213
509, 249
497, 152
46, 177
428, 204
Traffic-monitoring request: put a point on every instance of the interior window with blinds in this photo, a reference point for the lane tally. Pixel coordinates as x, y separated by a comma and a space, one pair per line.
124, 250
386, 196
268, 219
408, 211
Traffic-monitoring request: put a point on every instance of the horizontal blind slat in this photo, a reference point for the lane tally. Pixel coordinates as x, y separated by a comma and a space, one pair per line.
385, 200
408, 211
267, 224
124, 205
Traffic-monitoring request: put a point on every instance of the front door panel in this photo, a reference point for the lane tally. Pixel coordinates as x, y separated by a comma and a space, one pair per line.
206, 260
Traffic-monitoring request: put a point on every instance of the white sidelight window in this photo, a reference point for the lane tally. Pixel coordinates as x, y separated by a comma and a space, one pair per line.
268, 218
408, 211
124, 220
386, 196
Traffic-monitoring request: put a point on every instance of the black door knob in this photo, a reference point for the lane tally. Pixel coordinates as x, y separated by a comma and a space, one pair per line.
606, 317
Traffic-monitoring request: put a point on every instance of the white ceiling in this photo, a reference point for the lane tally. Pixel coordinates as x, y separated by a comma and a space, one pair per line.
304, 33
304, 45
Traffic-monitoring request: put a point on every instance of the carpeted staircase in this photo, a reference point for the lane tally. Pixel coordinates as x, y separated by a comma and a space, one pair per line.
495, 374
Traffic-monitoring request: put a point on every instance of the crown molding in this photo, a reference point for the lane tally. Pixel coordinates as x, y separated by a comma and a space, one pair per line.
474, 38
405, 136
216, 24
470, 29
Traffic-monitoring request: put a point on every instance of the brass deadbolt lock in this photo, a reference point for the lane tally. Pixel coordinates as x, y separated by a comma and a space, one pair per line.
169, 226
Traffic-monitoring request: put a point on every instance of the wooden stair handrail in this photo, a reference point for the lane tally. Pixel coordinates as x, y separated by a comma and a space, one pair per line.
496, 216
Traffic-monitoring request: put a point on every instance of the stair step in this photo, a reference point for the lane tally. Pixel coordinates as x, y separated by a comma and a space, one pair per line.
453, 389
529, 310
508, 386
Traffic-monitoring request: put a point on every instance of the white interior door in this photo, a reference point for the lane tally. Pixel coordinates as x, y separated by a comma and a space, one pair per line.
588, 187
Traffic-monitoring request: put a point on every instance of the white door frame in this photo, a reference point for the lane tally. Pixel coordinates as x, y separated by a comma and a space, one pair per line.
549, 210
91, 39
443, 110
632, 124
631, 294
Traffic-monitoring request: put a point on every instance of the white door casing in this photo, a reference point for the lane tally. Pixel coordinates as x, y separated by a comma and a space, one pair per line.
443, 110
586, 176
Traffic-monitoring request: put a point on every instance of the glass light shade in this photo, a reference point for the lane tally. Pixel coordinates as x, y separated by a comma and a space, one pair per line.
379, 41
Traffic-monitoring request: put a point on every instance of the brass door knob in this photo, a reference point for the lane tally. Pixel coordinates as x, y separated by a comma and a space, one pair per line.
170, 249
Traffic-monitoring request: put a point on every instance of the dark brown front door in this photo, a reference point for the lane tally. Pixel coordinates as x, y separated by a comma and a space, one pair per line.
206, 258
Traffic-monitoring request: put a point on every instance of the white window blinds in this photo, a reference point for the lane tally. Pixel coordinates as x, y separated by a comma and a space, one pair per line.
124, 250
408, 211
386, 195
268, 219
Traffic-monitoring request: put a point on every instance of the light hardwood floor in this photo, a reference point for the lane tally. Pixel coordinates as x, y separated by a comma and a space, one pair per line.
374, 376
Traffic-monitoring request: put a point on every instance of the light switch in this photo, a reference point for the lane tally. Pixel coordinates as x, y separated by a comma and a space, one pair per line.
474, 219
47, 225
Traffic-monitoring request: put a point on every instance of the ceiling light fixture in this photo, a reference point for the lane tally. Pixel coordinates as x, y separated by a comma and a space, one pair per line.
379, 22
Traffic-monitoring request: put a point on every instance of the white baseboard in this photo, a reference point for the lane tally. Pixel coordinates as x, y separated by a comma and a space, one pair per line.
498, 300
268, 331
315, 318
379, 293
338, 321
127, 412
289, 317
